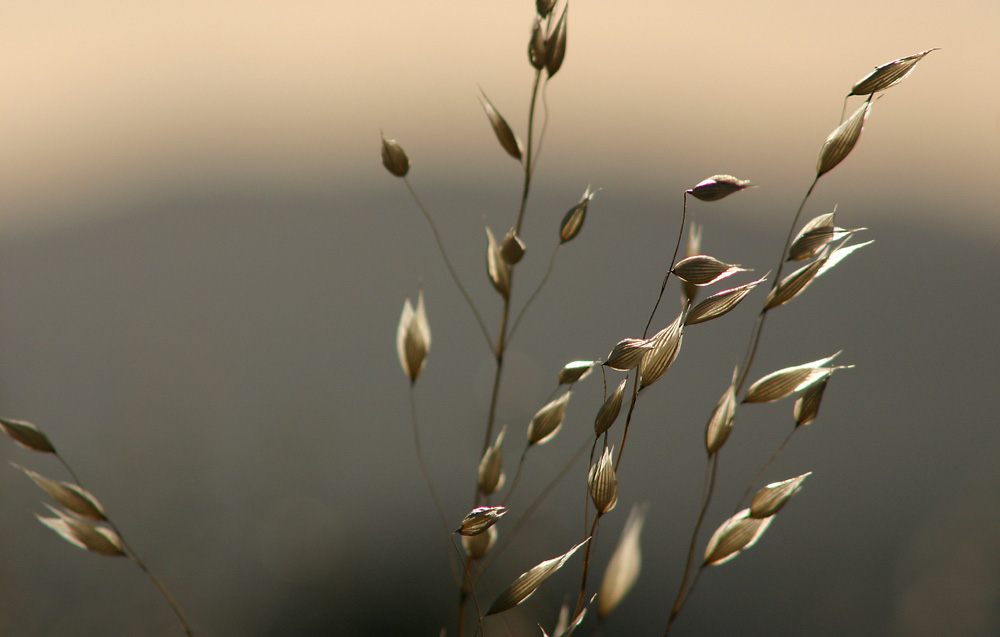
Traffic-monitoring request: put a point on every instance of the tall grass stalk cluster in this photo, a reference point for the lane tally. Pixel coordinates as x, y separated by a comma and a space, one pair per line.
477, 529
629, 369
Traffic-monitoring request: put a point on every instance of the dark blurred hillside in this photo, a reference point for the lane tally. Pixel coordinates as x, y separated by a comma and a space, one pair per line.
221, 372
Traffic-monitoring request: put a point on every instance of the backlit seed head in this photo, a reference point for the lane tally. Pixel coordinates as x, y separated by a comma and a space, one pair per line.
572, 221
512, 248
479, 545
603, 483
480, 519
394, 158
717, 187
609, 411
491, 476
544, 7
575, 372
555, 45
536, 46
413, 338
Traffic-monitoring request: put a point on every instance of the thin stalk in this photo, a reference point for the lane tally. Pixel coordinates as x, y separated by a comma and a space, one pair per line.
447, 261
468, 587
759, 323
531, 299
132, 555
586, 566
673, 260
774, 456
684, 591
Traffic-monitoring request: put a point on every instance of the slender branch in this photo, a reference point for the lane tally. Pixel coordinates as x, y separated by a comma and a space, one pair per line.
586, 566
447, 261
531, 299
683, 592
673, 260
132, 555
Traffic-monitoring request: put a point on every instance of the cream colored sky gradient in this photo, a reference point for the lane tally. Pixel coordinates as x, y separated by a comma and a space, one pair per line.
103, 102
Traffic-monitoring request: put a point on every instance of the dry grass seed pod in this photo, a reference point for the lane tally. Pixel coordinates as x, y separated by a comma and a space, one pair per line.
572, 221
628, 353
793, 284
603, 483
84, 534
720, 423
413, 338
508, 140
496, 267
609, 411
529, 581
664, 347
888, 74
71, 497
773, 497
841, 141
512, 248
718, 187
689, 291
536, 46
480, 519
394, 158
548, 420
491, 475
27, 435
555, 45
702, 270
575, 371
720, 303
736, 534
477, 546
807, 405
786, 382
624, 565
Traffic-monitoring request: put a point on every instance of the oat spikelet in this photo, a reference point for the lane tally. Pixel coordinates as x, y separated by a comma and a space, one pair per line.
689, 291
720, 303
491, 475
736, 534
572, 221
536, 46
477, 546
548, 420
84, 534
624, 565
508, 140
394, 158
720, 423
627, 354
786, 382
888, 75
555, 45
70, 496
512, 248
842, 140
773, 497
496, 268
609, 411
27, 435
664, 347
575, 371
413, 338
528, 582
603, 483
718, 187
807, 405
480, 519
702, 270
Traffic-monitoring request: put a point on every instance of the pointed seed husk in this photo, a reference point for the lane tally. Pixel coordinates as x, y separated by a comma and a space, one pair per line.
609, 411
536, 46
603, 483
547, 421
496, 268
413, 338
512, 248
842, 140
794, 284
625, 563
688, 290
627, 354
477, 546
888, 74
70, 496
702, 269
736, 534
572, 221
812, 237
720, 303
84, 534
838, 255
664, 347
508, 140
807, 405
786, 382
720, 423
27, 435
555, 45
575, 371
717, 187
773, 497
529, 581
394, 158
480, 519
491, 475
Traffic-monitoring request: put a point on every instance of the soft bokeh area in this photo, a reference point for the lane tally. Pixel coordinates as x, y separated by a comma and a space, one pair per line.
203, 263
